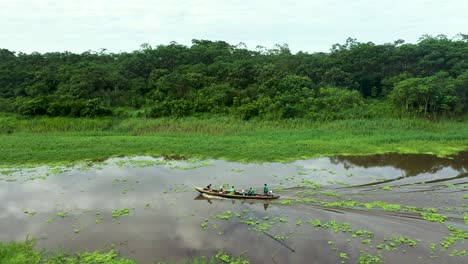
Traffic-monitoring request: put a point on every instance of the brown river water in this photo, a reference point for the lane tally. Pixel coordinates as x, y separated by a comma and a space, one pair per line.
169, 221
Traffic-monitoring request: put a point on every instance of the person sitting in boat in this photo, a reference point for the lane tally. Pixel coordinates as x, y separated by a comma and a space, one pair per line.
266, 190
221, 189
251, 192
232, 191
208, 187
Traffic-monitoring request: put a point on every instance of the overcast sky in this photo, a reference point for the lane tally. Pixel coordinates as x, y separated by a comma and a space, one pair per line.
307, 25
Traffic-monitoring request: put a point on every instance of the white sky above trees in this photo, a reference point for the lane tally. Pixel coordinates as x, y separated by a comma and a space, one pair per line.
307, 25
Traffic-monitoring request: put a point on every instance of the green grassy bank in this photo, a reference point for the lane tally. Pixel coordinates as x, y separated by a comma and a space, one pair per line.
51, 140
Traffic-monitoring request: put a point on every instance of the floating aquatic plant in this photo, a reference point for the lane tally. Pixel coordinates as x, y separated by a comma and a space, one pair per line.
62, 214
225, 216
116, 214
433, 217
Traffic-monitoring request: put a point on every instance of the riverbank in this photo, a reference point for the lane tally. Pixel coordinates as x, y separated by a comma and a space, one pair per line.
59, 140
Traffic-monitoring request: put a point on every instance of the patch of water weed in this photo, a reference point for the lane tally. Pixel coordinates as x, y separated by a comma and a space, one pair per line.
455, 235
116, 214
39, 177
7, 172
257, 225
192, 166
99, 220
341, 227
278, 189
280, 219
225, 216
342, 183
237, 170
10, 180
110, 257
366, 258
387, 188
292, 201
433, 217
344, 256
465, 218
279, 237
137, 163
330, 193
311, 184
204, 224
458, 253
385, 206
84, 168
62, 214
221, 255
57, 170
430, 209
395, 242
306, 193
465, 196
433, 248
349, 204
50, 220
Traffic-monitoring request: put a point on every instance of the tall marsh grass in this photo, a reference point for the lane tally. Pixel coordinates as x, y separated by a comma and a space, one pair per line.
42, 140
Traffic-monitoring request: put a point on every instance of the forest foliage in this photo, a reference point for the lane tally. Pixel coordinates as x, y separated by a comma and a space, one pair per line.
353, 80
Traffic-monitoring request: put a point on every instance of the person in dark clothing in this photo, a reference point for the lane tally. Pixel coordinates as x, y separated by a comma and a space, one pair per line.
208, 187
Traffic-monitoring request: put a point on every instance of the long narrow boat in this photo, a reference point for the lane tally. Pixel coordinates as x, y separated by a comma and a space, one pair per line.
235, 196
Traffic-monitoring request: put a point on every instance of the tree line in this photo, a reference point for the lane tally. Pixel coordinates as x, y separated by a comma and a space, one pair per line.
354, 79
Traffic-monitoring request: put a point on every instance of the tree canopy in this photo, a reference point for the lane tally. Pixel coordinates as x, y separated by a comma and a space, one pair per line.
429, 78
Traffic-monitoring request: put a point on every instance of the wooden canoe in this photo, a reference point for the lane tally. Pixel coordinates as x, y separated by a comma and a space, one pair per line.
235, 196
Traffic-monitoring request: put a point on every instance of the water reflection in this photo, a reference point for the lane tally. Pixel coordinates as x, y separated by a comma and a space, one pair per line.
410, 165
201, 197
165, 215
